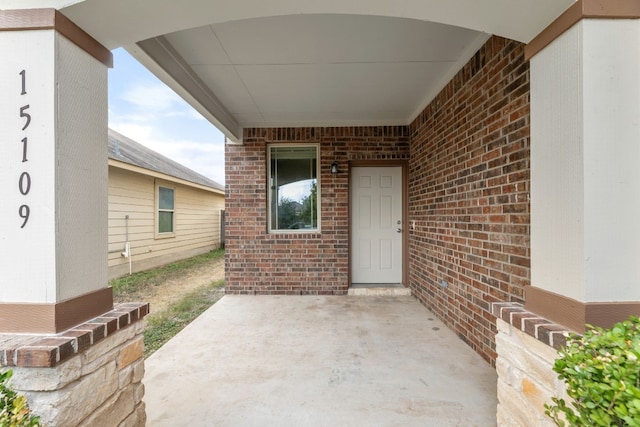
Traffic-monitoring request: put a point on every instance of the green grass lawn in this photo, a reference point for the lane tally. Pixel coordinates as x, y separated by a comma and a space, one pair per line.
131, 288
163, 325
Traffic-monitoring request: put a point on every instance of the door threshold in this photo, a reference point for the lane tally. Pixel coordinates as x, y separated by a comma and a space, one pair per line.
376, 285
378, 289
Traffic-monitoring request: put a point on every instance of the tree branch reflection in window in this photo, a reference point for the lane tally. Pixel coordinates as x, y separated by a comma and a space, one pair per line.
293, 193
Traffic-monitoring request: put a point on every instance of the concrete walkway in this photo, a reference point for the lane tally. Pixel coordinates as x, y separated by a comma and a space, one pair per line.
318, 361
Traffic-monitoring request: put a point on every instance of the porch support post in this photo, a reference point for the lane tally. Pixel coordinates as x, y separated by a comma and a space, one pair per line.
585, 166
53, 178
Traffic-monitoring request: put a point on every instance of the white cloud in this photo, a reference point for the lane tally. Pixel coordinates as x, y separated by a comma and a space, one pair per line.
143, 108
151, 97
296, 191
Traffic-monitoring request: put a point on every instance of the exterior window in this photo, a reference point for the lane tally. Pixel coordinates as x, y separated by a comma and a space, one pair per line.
293, 188
165, 210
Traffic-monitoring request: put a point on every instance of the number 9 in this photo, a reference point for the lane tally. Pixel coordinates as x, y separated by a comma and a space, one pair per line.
24, 213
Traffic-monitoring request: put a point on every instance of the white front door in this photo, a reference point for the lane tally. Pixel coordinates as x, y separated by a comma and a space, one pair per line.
376, 224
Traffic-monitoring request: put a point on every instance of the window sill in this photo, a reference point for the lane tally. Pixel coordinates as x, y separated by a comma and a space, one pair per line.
295, 231
293, 236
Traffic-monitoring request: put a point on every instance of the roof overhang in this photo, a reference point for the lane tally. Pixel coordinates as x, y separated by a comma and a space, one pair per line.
306, 63
168, 178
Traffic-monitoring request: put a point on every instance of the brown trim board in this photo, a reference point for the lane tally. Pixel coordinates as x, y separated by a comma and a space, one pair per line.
51, 19
22, 318
582, 9
575, 314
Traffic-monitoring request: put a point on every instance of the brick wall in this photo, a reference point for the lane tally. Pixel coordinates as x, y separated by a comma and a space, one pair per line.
468, 196
316, 263
468, 193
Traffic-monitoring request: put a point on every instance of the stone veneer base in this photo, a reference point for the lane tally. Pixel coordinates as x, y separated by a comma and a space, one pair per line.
527, 346
90, 375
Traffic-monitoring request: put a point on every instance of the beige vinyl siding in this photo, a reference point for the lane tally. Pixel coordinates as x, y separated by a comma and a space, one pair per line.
197, 222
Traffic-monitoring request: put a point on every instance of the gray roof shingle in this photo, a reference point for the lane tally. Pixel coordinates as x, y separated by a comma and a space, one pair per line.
127, 150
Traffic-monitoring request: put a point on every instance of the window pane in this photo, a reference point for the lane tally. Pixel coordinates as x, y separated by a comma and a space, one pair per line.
165, 198
165, 222
294, 188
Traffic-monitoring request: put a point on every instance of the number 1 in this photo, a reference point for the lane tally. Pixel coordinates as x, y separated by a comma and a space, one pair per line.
23, 73
24, 150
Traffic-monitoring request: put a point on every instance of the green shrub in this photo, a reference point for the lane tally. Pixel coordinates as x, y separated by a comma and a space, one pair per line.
14, 410
602, 372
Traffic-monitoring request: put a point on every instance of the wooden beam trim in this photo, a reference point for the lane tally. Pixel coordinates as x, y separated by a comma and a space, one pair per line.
582, 9
42, 318
51, 19
557, 308
606, 314
575, 314
27, 19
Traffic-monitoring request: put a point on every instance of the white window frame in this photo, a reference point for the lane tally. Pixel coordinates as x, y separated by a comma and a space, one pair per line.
270, 192
166, 234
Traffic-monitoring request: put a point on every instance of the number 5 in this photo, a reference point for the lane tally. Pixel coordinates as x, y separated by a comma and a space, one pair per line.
27, 115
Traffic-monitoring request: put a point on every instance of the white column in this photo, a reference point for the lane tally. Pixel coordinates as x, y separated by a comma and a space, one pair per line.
585, 173
53, 179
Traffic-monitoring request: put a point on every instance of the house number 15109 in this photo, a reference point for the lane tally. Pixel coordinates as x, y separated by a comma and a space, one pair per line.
24, 181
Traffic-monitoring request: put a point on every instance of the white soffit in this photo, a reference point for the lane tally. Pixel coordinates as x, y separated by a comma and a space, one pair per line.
324, 70
308, 62
116, 23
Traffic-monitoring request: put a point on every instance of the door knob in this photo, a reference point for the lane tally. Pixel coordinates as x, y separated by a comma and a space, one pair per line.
399, 230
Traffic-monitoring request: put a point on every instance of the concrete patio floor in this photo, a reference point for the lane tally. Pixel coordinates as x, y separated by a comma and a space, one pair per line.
318, 361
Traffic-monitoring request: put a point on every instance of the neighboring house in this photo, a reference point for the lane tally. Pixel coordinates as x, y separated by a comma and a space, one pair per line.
159, 210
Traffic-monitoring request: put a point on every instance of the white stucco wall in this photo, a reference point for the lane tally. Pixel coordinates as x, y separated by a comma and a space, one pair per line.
59, 253
612, 159
585, 139
28, 253
81, 171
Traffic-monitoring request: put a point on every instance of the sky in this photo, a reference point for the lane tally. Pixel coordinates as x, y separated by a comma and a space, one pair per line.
144, 109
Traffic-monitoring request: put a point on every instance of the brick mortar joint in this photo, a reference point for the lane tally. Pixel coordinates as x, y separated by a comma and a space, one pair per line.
48, 351
538, 327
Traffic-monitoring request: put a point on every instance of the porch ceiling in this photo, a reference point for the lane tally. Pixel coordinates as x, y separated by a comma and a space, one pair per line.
324, 69
308, 63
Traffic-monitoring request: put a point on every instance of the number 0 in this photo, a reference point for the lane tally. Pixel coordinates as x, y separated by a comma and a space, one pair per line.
24, 184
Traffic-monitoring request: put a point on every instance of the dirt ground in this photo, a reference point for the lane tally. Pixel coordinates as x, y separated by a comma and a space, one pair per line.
175, 288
